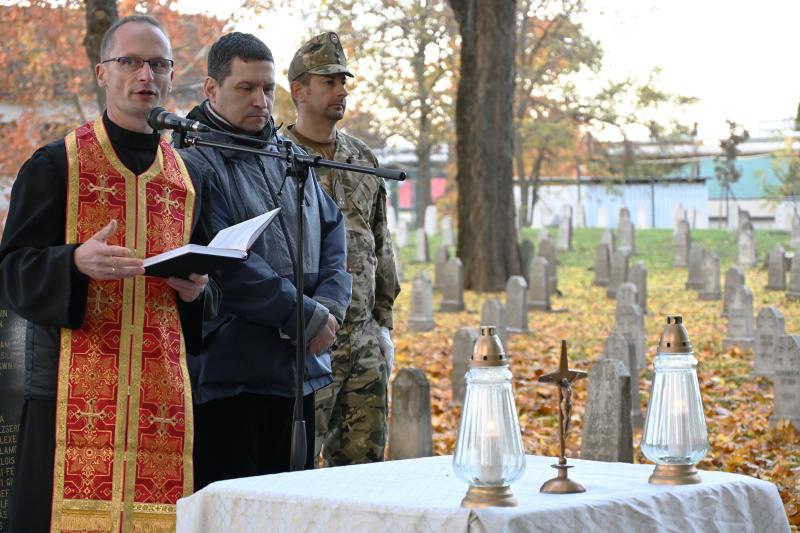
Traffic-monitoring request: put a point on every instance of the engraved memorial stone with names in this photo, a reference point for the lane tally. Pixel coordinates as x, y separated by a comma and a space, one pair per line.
787, 381
770, 327
607, 431
741, 332
453, 287
620, 347
602, 265
421, 316
517, 305
776, 269
12, 385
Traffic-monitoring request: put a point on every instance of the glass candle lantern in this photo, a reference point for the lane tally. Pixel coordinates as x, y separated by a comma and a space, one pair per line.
675, 435
489, 454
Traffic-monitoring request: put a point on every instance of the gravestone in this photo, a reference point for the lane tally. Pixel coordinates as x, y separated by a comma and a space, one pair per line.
627, 232
793, 292
770, 327
538, 287
734, 278
619, 273
794, 240
609, 239
526, 253
678, 214
517, 305
453, 288
695, 279
548, 251
711, 289
398, 265
411, 428
421, 316
630, 322
431, 223
607, 431
564, 239
747, 247
12, 393
463, 345
402, 234
741, 332
421, 243
580, 215
683, 241
744, 219
391, 219
642, 218
602, 265
448, 231
626, 294
776, 269
638, 275
787, 381
494, 314
620, 347
440, 259
602, 217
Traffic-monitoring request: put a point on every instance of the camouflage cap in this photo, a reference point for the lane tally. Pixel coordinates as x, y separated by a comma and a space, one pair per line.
323, 54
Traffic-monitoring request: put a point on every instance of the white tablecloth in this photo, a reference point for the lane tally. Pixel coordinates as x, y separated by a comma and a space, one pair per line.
424, 495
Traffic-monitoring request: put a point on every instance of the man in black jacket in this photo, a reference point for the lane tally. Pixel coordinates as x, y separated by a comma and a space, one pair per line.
243, 382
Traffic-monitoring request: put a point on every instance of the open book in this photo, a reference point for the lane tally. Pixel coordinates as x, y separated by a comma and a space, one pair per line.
230, 245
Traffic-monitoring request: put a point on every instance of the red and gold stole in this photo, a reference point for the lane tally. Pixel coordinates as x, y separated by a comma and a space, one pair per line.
124, 413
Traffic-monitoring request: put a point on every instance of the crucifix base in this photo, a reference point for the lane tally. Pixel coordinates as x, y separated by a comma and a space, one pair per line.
561, 484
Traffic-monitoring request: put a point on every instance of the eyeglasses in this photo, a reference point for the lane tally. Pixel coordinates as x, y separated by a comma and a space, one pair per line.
134, 64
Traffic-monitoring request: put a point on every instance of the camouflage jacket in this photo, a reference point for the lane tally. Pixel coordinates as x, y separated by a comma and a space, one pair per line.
362, 199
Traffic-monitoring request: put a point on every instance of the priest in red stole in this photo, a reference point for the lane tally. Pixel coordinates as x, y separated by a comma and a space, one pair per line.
105, 442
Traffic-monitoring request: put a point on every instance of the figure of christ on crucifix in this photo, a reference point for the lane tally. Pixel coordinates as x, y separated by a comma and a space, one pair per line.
563, 378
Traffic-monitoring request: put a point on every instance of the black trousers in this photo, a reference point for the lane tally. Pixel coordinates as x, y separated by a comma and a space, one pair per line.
247, 435
31, 494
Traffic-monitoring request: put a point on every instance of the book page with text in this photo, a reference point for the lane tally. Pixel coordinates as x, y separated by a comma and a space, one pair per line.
241, 236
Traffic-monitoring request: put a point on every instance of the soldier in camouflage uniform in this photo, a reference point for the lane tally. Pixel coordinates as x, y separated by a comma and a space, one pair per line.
350, 413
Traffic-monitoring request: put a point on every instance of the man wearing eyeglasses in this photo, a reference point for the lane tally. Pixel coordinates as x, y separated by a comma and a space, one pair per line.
105, 441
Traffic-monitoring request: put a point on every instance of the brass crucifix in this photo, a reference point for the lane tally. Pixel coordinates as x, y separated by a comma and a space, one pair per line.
561, 484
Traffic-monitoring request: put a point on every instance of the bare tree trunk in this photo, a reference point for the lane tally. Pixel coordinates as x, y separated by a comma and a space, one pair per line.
422, 189
100, 15
487, 240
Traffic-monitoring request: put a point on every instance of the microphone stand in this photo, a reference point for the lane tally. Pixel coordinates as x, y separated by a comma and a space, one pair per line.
298, 168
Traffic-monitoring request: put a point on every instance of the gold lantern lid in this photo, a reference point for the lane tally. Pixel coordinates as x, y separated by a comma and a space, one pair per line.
488, 349
674, 338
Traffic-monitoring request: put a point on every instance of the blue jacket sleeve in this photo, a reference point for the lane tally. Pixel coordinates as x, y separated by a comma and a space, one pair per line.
334, 289
253, 290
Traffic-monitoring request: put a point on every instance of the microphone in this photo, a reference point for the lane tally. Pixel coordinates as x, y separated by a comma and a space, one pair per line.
160, 119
